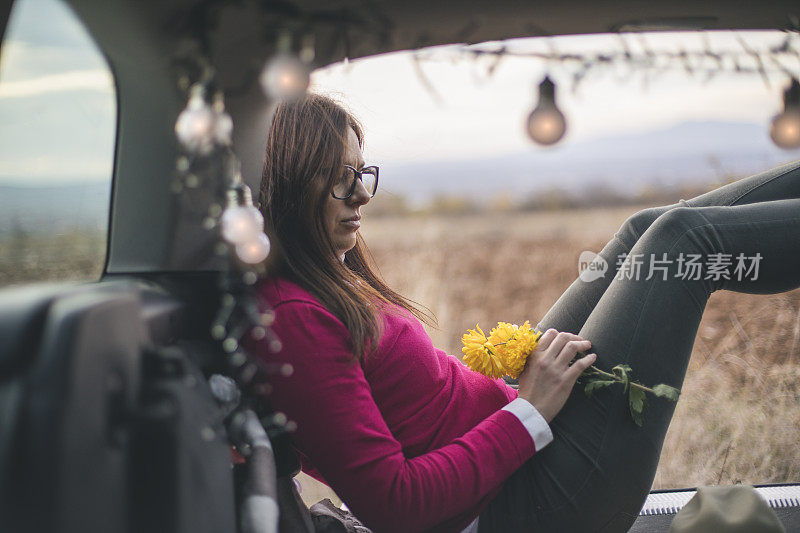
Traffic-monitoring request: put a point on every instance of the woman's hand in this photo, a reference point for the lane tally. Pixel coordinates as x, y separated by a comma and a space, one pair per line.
548, 377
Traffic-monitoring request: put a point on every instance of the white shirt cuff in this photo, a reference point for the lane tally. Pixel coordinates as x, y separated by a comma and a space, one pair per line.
533, 421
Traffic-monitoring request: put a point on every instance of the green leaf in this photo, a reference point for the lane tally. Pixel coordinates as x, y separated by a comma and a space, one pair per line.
665, 391
637, 402
593, 386
637, 399
621, 371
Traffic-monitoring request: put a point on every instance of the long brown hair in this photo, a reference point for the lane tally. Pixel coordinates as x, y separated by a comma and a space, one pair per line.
306, 143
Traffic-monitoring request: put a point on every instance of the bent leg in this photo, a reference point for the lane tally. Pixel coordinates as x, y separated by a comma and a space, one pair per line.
571, 310
599, 468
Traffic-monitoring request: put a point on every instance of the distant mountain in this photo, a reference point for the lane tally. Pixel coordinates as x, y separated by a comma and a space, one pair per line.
54, 209
689, 152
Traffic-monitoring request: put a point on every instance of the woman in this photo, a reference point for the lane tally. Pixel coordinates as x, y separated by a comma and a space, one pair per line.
413, 440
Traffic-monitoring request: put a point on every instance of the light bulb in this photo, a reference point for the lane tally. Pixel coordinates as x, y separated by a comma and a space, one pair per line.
785, 127
254, 250
223, 128
195, 125
241, 224
223, 123
285, 77
546, 123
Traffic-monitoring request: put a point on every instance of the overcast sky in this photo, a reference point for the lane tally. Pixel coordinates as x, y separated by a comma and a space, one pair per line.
479, 114
57, 104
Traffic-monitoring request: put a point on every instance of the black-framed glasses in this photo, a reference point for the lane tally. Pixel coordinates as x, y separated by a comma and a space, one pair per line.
346, 183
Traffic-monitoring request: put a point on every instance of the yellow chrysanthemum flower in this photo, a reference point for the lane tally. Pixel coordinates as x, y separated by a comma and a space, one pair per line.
502, 337
504, 352
474, 337
502, 333
518, 349
480, 354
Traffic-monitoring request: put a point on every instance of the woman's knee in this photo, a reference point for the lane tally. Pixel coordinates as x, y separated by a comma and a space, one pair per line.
675, 226
681, 218
636, 224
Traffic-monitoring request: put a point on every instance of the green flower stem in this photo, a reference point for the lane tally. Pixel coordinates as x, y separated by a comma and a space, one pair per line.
615, 377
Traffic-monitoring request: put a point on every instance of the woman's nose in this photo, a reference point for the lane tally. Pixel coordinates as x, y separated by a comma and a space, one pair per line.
360, 194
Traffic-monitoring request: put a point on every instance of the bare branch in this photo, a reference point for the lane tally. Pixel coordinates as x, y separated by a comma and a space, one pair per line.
423, 79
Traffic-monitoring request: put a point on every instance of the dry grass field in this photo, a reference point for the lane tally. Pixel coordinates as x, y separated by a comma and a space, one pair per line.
69, 256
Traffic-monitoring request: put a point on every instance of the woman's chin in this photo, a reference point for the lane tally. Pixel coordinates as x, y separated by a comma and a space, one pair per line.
344, 247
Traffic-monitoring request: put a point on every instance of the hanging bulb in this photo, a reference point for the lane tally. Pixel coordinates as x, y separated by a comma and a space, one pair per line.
546, 123
223, 123
255, 250
284, 75
241, 222
243, 225
785, 127
307, 49
195, 125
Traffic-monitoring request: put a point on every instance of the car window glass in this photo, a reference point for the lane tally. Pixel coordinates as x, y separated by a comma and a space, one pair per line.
57, 131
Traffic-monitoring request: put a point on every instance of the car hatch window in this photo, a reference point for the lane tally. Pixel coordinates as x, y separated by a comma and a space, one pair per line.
57, 135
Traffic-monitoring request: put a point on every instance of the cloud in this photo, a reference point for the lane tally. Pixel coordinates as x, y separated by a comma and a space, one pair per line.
50, 136
46, 23
21, 60
57, 99
92, 80
45, 169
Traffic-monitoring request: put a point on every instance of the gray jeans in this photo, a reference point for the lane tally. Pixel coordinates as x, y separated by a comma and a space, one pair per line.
598, 470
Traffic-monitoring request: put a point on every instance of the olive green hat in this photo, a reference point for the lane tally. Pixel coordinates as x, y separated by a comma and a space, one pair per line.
732, 509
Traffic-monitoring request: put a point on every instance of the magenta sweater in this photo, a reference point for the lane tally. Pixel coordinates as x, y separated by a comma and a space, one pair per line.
412, 439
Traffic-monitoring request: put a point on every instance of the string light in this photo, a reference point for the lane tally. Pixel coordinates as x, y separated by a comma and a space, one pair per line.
200, 128
254, 250
243, 225
196, 123
286, 76
241, 221
223, 123
205, 132
704, 63
785, 127
546, 123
